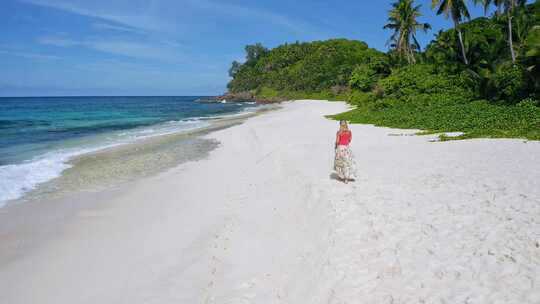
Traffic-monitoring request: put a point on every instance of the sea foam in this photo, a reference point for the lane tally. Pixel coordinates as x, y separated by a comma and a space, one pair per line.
18, 179
15, 180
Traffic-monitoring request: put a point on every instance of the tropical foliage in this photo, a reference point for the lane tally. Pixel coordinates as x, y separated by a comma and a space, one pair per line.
481, 77
456, 10
532, 56
305, 67
508, 7
403, 21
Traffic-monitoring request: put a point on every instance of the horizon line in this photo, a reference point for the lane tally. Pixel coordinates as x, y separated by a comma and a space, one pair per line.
89, 96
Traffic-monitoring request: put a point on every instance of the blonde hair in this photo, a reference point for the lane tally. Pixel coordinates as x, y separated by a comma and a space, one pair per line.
343, 126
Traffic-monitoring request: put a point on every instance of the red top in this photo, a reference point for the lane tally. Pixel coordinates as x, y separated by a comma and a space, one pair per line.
344, 138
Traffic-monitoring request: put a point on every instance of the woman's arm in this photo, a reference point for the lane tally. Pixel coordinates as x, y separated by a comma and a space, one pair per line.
337, 140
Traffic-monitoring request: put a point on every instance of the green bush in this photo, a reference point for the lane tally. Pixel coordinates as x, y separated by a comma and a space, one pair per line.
360, 98
531, 58
412, 80
475, 119
509, 84
363, 78
529, 102
267, 93
272, 94
485, 45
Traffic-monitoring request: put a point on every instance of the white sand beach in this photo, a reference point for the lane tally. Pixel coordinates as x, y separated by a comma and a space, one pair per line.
262, 220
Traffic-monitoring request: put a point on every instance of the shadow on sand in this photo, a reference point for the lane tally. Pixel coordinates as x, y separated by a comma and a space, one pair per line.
335, 177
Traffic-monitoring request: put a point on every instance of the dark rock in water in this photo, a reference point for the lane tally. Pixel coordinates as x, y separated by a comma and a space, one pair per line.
207, 100
246, 97
237, 97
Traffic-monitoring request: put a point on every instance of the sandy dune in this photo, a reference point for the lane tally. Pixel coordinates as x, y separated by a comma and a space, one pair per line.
262, 221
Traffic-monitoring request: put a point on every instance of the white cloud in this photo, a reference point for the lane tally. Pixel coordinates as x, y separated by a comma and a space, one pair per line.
58, 41
95, 10
262, 15
134, 49
114, 27
117, 47
30, 55
168, 15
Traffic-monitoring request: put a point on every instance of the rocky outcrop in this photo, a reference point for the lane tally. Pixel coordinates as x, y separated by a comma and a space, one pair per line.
247, 97
237, 97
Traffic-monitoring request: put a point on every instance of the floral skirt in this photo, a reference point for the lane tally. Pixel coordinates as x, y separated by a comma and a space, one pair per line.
344, 163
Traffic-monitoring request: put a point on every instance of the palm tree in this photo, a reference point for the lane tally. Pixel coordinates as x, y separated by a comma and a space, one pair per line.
487, 3
532, 55
403, 20
508, 7
457, 10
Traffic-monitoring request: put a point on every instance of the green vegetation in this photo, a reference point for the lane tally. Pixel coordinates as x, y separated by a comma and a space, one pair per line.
476, 119
302, 67
457, 10
481, 77
403, 21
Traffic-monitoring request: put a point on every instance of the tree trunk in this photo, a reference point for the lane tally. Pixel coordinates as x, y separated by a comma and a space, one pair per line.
510, 42
411, 55
465, 60
402, 47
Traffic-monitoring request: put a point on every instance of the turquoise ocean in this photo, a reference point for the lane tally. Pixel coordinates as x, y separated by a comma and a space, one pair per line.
40, 135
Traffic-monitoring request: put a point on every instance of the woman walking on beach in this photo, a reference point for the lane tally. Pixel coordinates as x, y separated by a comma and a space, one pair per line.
344, 161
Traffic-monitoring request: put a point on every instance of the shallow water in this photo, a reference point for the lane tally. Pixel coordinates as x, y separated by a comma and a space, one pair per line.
43, 139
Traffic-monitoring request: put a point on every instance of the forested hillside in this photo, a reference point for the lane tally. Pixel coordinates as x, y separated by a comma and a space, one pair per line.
310, 67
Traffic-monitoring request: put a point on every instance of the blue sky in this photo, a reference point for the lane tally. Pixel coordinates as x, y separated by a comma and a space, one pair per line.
165, 47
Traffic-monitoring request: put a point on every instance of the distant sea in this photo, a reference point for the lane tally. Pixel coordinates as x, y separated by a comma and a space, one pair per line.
40, 135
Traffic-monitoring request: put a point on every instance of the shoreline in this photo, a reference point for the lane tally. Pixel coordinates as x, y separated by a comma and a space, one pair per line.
123, 162
262, 220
